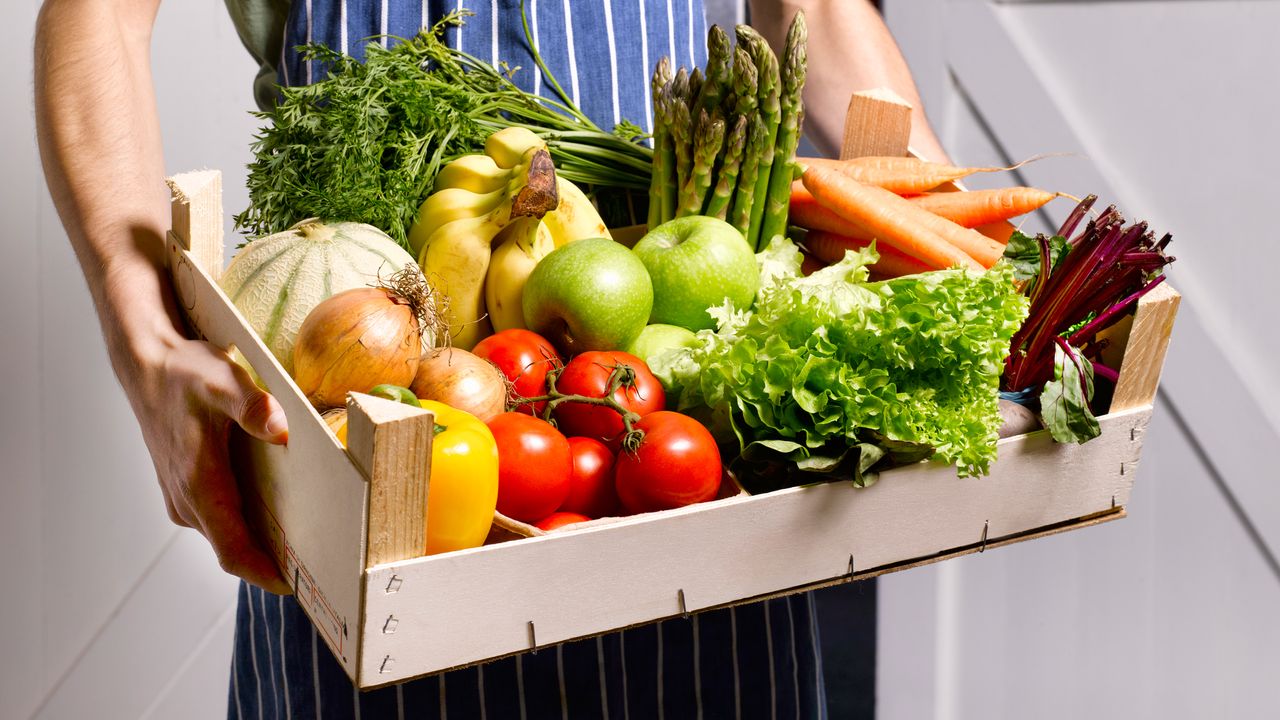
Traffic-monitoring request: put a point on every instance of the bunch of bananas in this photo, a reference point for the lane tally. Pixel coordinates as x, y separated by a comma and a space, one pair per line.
488, 222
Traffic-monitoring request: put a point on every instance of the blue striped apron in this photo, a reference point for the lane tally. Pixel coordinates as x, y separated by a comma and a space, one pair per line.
755, 661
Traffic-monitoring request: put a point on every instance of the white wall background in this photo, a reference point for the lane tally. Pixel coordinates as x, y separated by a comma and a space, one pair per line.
1170, 110
109, 611
106, 609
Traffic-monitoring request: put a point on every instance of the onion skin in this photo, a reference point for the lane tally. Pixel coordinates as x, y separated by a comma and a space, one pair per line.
353, 341
463, 381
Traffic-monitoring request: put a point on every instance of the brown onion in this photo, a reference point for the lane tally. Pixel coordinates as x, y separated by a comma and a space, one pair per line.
463, 381
363, 337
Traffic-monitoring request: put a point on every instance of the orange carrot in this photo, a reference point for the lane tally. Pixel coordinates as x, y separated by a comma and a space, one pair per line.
807, 212
902, 175
999, 231
981, 207
830, 247
887, 217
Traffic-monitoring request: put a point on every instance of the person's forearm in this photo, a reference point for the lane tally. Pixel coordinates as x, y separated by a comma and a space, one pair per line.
850, 49
101, 151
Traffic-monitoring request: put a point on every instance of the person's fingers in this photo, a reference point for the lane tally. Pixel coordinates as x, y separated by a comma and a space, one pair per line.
233, 392
210, 500
175, 516
222, 522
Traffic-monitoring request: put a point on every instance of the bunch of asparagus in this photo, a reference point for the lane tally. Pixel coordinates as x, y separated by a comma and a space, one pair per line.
725, 138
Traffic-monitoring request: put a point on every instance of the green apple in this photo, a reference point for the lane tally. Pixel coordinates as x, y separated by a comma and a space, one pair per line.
654, 339
697, 262
589, 294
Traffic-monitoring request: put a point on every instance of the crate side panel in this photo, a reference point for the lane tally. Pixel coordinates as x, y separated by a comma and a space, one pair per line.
436, 613
307, 499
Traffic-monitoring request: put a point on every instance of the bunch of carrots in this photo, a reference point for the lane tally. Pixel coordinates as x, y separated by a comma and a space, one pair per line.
845, 204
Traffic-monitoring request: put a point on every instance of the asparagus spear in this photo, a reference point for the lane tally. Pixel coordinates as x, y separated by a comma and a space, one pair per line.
771, 112
718, 205
709, 141
695, 90
778, 198
661, 202
740, 215
715, 85
744, 81
681, 121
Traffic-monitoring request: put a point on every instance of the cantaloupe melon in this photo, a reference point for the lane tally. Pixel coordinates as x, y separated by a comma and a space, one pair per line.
275, 281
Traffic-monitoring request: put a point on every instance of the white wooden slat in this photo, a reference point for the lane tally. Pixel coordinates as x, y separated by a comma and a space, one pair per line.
785, 539
20, 437
148, 639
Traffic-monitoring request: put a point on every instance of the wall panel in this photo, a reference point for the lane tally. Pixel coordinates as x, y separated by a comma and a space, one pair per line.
1170, 612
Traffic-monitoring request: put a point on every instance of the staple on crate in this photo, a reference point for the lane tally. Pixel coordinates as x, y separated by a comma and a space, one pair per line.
393, 585
986, 525
386, 665
684, 610
533, 638
389, 627
850, 572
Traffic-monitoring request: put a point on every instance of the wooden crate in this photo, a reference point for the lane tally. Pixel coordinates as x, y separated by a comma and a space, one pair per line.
346, 527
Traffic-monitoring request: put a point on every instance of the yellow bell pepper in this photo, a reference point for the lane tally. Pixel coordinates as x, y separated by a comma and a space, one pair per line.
464, 480
463, 491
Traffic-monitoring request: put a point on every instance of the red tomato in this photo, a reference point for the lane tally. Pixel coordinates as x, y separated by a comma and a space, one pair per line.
588, 374
559, 519
591, 485
524, 357
534, 466
676, 464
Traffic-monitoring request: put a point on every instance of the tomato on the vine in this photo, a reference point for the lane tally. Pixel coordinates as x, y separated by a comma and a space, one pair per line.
534, 466
591, 482
676, 464
524, 357
588, 375
560, 519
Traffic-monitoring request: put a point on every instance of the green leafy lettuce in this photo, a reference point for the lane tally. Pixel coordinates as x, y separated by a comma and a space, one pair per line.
833, 374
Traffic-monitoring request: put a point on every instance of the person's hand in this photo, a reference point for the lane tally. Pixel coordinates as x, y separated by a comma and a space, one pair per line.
186, 395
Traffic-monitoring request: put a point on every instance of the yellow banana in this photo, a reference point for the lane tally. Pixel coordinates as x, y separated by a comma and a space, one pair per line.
574, 218
445, 206
521, 245
509, 146
456, 255
455, 260
477, 173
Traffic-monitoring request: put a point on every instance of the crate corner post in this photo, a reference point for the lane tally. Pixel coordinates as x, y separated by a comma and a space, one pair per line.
877, 123
391, 443
196, 202
1145, 349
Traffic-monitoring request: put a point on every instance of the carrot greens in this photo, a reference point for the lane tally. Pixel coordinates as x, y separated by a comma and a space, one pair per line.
364, 143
